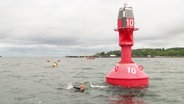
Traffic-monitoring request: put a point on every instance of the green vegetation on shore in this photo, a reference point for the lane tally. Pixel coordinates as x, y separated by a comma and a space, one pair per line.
147, 52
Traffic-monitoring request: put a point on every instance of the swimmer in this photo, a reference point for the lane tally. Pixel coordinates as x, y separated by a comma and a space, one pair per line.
77, 89
81, 88
54, 65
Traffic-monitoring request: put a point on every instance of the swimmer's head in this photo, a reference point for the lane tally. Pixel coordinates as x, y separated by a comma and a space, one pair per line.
82, 88
54, 64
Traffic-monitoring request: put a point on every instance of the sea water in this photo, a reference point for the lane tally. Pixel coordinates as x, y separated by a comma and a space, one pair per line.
32, 80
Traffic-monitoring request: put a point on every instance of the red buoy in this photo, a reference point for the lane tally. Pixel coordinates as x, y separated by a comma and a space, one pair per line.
127, 73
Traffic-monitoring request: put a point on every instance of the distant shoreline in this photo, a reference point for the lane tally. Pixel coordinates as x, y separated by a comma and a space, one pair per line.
147, 52
120, 57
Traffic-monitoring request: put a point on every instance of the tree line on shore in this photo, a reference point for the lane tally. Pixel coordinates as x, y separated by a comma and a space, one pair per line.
146, 52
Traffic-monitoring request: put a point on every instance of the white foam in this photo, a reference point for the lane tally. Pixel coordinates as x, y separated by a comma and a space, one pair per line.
70, 86
97, 86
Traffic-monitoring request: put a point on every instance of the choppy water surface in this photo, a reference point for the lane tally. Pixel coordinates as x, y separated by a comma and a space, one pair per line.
32, 81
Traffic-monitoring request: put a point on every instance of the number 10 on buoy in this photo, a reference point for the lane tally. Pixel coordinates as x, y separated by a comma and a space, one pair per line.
130, 22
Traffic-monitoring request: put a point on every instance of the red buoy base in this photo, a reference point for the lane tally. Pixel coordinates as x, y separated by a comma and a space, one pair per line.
127, 75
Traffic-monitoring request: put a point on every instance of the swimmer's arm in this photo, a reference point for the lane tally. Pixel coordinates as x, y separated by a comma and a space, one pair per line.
77, 88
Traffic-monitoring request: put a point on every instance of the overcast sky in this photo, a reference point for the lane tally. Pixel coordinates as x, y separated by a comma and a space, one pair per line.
84, 27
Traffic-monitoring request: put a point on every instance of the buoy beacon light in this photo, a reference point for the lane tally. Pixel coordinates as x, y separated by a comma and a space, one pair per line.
127, 73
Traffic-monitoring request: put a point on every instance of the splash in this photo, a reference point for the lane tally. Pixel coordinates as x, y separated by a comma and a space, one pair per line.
70, 86
98, 86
